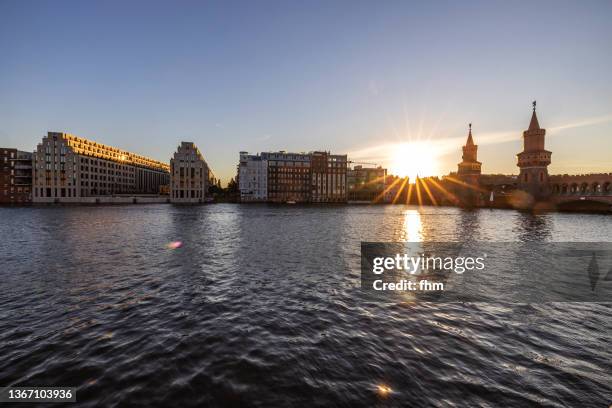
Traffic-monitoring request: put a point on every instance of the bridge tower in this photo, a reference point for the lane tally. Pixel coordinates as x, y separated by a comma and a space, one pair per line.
469, 168
533, 161
468, 171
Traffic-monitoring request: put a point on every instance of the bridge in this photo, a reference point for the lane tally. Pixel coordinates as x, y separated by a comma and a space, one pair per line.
582, 192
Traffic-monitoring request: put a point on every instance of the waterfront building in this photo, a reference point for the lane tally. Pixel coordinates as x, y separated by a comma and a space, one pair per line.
190, 175
69, 168
252, 178
15, 176
289, 178
366, 183
328, 175
533, 161
281, 177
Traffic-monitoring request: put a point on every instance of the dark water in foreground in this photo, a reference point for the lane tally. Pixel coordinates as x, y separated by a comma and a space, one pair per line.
261, 306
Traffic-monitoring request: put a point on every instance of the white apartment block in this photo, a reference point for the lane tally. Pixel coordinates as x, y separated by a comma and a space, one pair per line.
67, 168
190, 175
252, 178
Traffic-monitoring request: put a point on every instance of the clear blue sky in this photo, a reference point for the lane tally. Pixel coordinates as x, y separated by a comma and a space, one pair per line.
335, 75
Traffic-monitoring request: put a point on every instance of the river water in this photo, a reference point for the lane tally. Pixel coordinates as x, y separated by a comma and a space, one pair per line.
262, 306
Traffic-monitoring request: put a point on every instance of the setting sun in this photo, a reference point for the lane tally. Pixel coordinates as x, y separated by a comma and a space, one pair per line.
412, 159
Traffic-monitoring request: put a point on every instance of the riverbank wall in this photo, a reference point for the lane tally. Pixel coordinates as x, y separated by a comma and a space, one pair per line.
103, 200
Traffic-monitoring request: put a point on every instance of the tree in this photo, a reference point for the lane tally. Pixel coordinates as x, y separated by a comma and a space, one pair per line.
232, 186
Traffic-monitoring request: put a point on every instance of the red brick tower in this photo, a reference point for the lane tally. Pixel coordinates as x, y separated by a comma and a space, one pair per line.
469, 168
533, 161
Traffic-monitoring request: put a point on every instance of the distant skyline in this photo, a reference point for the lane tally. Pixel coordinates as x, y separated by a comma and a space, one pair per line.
363, 78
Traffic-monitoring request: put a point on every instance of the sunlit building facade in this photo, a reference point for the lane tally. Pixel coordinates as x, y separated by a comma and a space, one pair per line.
67, 168
190, 175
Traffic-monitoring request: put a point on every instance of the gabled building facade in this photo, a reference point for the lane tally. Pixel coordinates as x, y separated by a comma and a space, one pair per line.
190, 175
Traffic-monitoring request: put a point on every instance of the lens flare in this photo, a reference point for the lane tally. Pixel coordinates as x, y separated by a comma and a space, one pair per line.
174, 245
383, 390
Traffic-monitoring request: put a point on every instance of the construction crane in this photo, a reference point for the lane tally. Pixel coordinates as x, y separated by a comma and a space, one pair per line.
356, 162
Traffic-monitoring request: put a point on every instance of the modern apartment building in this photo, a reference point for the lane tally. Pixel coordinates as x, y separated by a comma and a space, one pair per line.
328, 173
252, 178
15, 176
366, 183
68, 169
190, 175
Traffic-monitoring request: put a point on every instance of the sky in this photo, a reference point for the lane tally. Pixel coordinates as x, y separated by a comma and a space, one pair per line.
352, 77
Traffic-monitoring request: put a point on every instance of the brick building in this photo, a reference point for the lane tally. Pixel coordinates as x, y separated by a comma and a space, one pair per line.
15, 176
328, 175
288, 177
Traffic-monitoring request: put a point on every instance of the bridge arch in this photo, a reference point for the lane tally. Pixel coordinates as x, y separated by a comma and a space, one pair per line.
584, 188
596, 187
574, 188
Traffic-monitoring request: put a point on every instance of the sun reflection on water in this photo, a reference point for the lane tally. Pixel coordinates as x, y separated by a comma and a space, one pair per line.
413, 227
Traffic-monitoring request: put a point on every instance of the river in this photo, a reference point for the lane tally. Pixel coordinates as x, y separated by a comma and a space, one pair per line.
257, 305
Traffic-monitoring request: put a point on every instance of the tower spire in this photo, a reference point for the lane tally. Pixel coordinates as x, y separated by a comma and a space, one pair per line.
534, 125
469, 169
470, 140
